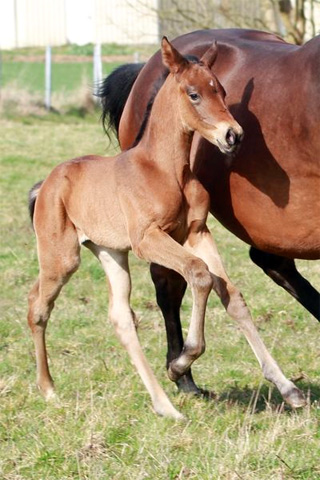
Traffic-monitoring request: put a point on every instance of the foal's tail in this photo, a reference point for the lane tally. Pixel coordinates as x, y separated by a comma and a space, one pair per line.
114, 91
33, 197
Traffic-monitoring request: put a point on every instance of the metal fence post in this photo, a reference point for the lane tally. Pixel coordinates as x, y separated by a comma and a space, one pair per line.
47, 100
97, 68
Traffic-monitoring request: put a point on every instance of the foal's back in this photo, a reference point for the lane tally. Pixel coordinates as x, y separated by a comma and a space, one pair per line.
102, 196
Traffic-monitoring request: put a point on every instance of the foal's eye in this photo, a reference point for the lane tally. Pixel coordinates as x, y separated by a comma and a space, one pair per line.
194, 97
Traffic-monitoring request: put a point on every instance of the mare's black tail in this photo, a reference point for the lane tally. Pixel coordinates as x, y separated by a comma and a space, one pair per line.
32, 197
114, 91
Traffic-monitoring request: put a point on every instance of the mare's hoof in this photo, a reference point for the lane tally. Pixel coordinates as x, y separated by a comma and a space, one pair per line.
186, 384
295, 398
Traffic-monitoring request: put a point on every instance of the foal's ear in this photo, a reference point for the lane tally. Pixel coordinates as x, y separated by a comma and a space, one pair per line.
171, 58
209, 57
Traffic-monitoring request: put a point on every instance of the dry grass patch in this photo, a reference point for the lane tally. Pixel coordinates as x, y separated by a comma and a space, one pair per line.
17, 101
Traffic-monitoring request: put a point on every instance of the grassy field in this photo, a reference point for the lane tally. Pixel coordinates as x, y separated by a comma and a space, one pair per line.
30, 76
71, 65
22, 77
102, 426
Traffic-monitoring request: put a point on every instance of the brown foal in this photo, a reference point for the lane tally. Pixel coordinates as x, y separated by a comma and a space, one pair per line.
148, 200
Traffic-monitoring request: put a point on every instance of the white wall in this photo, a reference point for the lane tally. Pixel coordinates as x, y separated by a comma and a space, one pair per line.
57, 22
26, 23
79, 21
7, 24
128, 21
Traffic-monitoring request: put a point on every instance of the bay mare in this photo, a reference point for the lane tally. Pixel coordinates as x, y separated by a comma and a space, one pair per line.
269, 195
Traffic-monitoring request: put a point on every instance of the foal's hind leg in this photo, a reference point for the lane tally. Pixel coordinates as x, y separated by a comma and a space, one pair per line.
236, 307
57, 261
116, 266
170, 288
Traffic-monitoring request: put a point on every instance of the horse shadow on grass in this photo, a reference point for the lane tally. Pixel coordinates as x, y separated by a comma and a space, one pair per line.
265, 397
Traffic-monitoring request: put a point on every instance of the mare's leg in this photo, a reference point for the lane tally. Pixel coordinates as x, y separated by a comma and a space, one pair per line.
158, 247
116, 267
203, 245
170, 288
283, 272
58, 258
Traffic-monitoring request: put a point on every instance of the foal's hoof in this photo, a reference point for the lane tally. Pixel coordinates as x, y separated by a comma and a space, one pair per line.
295, 398
174, 372
48, 393
169, 413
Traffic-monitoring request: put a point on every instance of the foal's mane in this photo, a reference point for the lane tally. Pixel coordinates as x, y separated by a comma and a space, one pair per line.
156, 87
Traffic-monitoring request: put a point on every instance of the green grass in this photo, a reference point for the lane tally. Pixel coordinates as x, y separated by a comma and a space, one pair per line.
66, 77
22, 78
83, 50
102, 426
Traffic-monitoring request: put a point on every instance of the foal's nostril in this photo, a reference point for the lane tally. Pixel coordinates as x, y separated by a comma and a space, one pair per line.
231, 137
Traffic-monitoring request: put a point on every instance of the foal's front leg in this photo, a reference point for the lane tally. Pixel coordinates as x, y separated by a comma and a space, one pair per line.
158, 247
203, 245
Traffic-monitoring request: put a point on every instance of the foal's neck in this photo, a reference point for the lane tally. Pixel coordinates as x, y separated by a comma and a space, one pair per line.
166, 139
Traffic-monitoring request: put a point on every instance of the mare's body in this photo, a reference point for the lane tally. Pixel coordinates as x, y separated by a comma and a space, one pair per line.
269, 195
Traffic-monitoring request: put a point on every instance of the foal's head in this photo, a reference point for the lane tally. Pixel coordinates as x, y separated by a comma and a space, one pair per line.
201, 98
